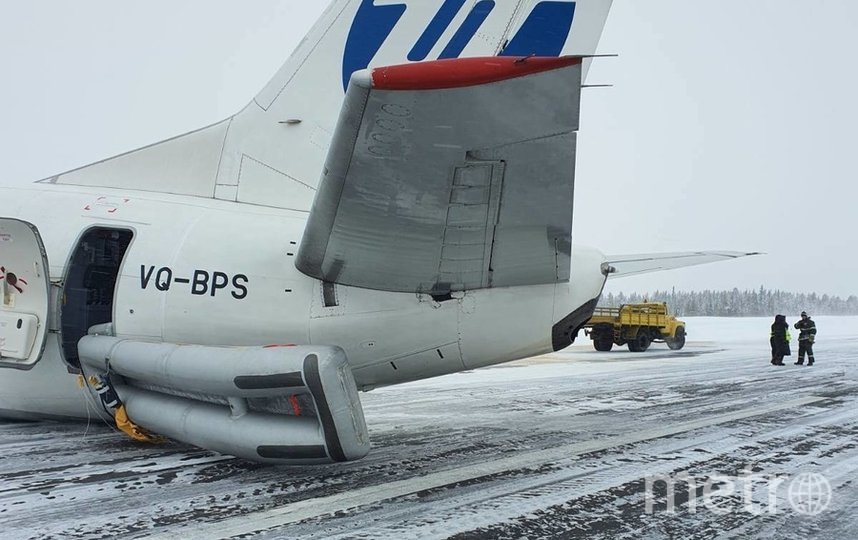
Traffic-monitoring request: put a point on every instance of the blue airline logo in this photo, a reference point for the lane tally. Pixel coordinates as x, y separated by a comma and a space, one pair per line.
543, 33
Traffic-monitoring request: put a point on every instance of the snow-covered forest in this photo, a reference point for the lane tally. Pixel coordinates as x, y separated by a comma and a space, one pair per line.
736, 303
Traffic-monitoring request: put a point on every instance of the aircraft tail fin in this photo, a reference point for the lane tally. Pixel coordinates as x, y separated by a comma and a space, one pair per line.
355, 34
273, 151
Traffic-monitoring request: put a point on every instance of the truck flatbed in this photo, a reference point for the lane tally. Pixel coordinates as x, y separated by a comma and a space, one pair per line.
635, 325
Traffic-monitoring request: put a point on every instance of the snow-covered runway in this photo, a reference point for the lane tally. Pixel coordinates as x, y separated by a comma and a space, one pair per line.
557, 446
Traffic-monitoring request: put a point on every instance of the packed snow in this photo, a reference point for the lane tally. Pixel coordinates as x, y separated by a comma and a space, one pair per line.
561, 445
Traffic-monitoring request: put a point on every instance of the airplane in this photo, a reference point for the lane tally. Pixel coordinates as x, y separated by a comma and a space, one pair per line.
396, 204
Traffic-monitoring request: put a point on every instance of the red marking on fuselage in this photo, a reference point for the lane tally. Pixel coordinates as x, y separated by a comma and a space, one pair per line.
296, 405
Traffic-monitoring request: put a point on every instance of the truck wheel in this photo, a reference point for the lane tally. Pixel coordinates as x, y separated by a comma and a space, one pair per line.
678, 340
603, 344
641, 342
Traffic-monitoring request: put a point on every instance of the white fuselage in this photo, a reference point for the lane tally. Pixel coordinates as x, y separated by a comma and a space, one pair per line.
203, 271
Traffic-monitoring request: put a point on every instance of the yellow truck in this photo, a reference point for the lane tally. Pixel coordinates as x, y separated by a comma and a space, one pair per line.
637, 325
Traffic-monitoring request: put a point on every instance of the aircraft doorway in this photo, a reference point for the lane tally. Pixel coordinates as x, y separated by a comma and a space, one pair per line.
89, 286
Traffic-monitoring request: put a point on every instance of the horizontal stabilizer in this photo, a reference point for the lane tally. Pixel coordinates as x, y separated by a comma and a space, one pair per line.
630, 265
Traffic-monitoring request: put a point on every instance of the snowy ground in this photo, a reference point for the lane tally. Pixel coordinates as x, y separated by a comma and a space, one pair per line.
553, 447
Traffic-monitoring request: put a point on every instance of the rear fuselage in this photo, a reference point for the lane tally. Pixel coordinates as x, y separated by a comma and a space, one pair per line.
200, 271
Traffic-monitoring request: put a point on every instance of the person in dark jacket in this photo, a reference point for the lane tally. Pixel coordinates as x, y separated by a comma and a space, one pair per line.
806, 337
780, 340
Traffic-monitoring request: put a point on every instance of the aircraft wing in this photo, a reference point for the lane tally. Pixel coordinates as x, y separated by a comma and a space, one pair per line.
449, 175
630, 265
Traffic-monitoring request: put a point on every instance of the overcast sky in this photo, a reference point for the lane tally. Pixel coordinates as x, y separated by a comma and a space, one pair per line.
730, 124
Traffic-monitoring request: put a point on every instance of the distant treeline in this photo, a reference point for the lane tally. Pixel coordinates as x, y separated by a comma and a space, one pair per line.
736, 303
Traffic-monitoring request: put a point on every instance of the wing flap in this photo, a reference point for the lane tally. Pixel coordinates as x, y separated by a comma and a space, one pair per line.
449, 175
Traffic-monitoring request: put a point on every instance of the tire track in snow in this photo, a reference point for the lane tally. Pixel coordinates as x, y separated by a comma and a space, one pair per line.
315, 507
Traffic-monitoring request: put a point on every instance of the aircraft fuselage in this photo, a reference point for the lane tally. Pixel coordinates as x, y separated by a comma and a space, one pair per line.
200, 271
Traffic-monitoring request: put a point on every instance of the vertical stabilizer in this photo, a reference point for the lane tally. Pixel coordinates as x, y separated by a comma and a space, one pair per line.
272, 152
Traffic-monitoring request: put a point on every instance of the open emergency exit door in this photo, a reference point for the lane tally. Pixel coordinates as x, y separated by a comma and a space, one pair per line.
24, 294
